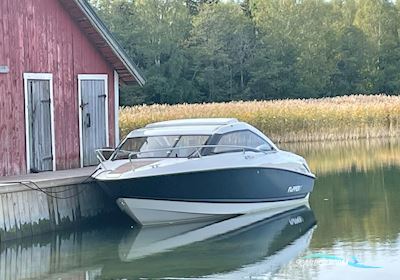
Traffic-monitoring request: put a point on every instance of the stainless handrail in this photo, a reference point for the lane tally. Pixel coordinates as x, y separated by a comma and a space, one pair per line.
99, 153
198, 148
101, 158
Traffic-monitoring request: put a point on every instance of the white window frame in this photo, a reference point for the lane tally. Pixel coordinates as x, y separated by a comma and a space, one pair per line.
116, 108
83, 77
46, 77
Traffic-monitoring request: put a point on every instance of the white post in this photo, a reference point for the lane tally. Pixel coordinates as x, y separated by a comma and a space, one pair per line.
116, 108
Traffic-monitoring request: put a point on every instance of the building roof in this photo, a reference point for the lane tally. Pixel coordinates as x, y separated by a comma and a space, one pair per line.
104, 41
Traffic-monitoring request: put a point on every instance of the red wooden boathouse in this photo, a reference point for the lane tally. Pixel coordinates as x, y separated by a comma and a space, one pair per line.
60, 71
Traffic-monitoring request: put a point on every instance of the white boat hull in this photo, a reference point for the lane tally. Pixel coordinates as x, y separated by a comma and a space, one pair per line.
148, 212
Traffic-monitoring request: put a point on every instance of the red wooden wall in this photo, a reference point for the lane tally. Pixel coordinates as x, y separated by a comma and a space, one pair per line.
39, 36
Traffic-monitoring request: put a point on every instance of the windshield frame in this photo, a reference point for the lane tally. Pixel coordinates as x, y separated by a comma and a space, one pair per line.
178, 136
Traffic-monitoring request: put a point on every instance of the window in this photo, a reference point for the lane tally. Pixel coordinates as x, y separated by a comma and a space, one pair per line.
187, 141
244, 138
147, 145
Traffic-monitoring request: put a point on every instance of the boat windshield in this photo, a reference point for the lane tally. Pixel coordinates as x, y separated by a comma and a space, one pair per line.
148, 144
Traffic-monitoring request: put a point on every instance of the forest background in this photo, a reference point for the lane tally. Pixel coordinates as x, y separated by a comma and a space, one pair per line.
193, 51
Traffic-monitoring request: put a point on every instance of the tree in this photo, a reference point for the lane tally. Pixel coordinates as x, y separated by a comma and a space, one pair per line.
350, 58
378, 19
221, 43
299, 33
153, 32
195, 5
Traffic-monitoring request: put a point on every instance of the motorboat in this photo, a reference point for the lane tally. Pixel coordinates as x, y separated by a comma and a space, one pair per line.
201, 169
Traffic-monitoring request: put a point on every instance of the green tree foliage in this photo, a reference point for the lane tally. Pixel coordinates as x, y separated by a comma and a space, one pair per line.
350, 56
210, 50
221, 43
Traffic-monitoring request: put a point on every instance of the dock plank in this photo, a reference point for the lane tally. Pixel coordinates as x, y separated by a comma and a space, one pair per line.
44, 213
16, 210
2, 220
26, 213
10, 215
35, 215
2, 262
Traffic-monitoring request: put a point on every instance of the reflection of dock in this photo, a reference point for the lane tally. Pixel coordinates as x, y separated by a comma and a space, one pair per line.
37, 203
89, 273
67, 254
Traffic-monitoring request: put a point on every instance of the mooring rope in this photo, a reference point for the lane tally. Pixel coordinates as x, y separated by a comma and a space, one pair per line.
50, 193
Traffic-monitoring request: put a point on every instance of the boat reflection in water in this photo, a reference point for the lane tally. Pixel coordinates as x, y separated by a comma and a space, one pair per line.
245, 245
252, 244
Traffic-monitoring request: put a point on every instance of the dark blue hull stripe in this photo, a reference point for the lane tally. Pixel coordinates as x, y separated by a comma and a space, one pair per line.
238, 185
238, 201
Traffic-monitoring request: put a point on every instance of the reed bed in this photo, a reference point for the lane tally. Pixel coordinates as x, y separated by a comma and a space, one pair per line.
291, 120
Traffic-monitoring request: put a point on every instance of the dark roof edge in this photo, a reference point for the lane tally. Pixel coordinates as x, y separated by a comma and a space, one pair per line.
110, 39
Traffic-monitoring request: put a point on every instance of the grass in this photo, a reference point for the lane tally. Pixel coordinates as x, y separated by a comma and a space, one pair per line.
295, 120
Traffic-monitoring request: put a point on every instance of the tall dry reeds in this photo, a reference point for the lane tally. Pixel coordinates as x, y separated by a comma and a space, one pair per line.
337, 118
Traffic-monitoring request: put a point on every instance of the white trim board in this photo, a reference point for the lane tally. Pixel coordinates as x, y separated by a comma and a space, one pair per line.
83, 77
116, 108
46, 77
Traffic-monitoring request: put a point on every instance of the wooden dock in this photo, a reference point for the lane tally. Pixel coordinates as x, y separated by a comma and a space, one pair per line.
49, 201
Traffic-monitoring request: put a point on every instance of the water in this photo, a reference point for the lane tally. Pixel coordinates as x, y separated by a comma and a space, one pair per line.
352, 231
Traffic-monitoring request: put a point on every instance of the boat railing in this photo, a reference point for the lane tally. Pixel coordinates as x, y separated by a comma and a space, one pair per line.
100, 155
197, 151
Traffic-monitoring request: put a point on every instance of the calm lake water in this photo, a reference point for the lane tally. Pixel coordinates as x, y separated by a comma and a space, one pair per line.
352, 231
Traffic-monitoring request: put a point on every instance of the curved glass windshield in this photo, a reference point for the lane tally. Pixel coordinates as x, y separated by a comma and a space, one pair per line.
243, 138
169, 146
